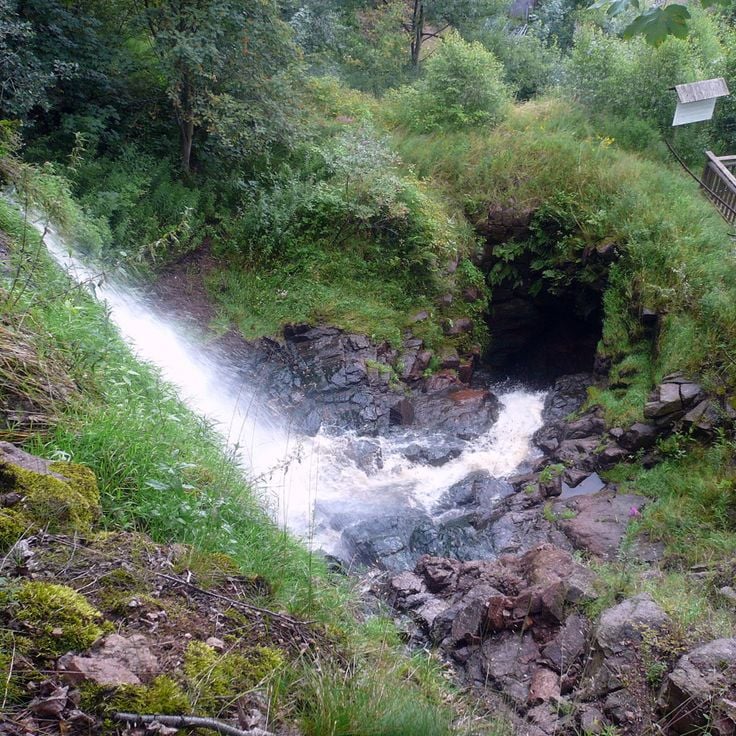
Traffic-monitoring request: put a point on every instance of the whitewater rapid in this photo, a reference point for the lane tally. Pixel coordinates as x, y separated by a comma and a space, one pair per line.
296, 473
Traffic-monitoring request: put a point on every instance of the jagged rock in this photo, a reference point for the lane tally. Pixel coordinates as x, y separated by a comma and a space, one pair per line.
610, 455
552, 487
578, 453
701, 691
464, 413
671, 400
440, 574
440, 451
704, 417
567, 395
507, 662
639, 436
478, 488
51, 703
566, 648
133, 651
458, 327
586, 426
591, 719
600, 520
544, 686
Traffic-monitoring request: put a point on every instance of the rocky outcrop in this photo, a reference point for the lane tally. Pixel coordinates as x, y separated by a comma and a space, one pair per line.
325, 377
507, 624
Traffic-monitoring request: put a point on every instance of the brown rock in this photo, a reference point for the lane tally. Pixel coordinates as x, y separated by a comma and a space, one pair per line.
133, 651
701, 690
105, 671
600, 521
545, 686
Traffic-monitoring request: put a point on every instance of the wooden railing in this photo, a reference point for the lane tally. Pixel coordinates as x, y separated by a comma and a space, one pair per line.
719, 184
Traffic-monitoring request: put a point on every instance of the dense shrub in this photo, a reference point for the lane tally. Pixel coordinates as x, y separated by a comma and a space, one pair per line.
462, 86
529, 65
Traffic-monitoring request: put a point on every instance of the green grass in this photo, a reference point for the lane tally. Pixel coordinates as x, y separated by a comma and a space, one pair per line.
338, 288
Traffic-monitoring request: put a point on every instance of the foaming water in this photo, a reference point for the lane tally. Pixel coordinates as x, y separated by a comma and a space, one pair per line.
301, 476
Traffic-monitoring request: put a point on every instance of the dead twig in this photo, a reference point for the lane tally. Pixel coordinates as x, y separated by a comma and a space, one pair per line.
190, 722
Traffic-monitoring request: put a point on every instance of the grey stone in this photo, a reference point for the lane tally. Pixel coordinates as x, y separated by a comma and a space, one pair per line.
701, 690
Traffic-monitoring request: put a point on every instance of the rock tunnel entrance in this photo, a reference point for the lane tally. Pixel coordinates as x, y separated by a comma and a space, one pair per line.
536, 340
539, 334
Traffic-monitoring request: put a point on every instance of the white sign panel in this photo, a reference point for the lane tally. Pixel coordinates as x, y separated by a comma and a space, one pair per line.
693, 112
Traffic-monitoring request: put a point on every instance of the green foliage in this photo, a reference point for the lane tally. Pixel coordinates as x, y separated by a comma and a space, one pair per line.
529, 65
58, 618
672, 254
462, 87
602, 70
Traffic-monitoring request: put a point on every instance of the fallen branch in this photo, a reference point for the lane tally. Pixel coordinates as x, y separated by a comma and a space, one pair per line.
190, 722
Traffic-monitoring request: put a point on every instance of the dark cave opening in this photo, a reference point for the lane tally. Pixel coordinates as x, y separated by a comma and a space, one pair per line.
536, 339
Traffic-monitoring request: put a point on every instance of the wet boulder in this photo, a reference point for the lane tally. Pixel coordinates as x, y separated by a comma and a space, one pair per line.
477, 489
464, 413
438, 451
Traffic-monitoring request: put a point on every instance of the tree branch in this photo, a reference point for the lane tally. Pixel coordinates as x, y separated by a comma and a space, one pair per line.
190, 722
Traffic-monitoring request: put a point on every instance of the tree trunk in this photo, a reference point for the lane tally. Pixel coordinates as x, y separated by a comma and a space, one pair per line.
417, 32
186, 135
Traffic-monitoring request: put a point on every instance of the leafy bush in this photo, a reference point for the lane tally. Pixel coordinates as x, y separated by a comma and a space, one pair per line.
633, 81
530, 67
462, 86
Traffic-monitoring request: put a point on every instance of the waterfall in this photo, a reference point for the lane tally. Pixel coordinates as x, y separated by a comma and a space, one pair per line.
299, 473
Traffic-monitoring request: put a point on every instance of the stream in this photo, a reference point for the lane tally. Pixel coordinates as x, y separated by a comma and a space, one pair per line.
306, 481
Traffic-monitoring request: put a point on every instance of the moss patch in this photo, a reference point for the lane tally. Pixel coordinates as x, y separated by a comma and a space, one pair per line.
164, 695
60, 505
12, 526
57, 617
217, 679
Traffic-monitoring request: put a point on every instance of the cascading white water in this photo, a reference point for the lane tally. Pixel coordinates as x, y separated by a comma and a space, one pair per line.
299, 473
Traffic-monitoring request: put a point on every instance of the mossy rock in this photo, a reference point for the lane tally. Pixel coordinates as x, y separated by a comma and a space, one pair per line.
65, 504
57, 618
216, 679
12, 526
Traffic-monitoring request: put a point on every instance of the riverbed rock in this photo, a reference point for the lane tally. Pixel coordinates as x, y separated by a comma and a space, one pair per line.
478, 489
599, 520
701, 691
434, 450
463, 413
